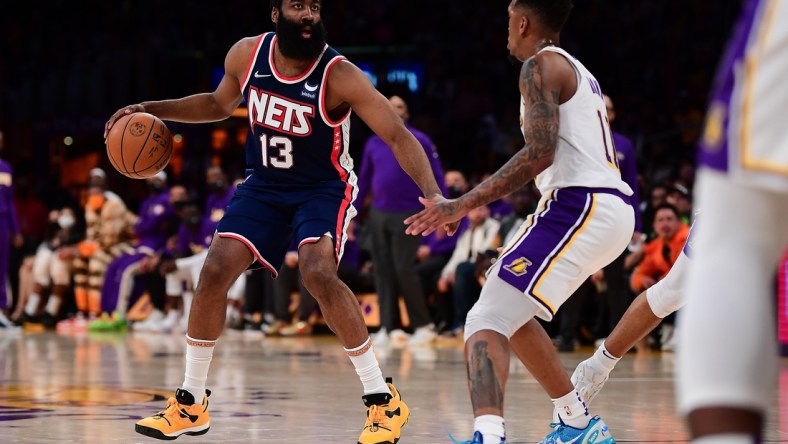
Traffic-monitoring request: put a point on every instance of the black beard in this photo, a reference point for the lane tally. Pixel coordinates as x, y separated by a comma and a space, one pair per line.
513, 60
293, 45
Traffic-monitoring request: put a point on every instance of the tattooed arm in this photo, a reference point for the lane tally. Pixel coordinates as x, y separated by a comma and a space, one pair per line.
540, 87
545, 80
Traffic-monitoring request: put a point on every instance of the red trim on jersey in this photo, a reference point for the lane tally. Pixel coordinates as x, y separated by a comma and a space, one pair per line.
322, 103
252, 249
297, 78
251, 61
337, 150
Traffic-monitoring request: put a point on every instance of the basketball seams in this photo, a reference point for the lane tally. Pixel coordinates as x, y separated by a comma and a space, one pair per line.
167, 151
120, 147
144, 144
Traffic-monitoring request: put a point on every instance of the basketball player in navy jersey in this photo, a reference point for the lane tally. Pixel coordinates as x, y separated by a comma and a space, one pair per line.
299, 93
727, 354
584, 221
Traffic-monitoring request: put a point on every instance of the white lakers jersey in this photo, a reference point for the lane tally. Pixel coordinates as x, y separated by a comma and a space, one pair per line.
585, 155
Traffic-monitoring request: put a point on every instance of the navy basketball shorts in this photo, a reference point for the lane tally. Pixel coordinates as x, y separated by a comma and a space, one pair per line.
268, 217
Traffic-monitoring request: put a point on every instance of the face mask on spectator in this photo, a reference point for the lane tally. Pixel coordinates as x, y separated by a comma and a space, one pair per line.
65, 221
216, 186
193, 221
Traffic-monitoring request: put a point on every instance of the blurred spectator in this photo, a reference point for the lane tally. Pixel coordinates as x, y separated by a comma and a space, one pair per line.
656, 197
458, 275
156, 222
679, 196
660, 254
31, 215
9, 232
52, 269
109, 231
393, 251
658, 257
434, 253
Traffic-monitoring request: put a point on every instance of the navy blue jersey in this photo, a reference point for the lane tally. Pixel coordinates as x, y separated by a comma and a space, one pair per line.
292, 140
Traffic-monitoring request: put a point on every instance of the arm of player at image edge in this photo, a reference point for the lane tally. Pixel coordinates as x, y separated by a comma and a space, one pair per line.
542, 79
202, 107
348, 84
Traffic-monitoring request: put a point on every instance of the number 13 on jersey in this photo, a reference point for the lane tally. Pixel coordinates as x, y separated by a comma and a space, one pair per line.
277, 152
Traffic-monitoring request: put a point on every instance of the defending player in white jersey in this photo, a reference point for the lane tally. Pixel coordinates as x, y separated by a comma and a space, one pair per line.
727, 351
583, 222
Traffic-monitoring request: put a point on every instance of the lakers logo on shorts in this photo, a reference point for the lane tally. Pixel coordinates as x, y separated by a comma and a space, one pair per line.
518, 267
715, 126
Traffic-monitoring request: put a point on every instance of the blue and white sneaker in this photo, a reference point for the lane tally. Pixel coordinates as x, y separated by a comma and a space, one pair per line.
595, 433
477, 439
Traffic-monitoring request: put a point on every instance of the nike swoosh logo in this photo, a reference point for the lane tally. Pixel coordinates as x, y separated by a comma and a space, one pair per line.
257, 75
573, 440
309, 87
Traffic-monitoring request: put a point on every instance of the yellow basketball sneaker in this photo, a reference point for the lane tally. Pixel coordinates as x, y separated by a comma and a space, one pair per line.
386, 414
181, 417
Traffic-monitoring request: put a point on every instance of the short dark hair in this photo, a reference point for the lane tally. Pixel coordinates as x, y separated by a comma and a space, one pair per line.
667, 206
276, 4
553, 13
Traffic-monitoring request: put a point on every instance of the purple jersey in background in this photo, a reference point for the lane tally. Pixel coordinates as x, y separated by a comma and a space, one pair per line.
627, 162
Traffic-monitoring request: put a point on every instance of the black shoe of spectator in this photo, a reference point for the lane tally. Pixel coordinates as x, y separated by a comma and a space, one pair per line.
48, 321
566, 345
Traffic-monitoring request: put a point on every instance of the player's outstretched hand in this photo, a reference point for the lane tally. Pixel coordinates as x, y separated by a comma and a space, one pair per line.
120, 113
439, 212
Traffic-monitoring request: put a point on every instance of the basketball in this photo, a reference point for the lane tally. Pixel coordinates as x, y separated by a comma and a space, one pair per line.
139, 145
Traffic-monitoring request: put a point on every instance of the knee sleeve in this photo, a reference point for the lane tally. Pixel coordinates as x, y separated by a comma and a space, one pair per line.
668, 295
500, 308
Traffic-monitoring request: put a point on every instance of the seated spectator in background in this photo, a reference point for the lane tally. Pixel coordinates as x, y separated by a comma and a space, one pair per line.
32, 219
434, 253
52, 269
194, 236
660, 254
156, 222
680, 197
658, 257
458, 275
109, 231
656, 197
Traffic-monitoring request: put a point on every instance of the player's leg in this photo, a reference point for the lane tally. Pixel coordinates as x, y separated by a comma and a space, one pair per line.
727, 356
227, 258
387, 413
579, 234
643, 315
321, 223
500, 311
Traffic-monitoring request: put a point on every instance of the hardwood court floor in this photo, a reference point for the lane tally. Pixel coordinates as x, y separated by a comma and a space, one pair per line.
91, 388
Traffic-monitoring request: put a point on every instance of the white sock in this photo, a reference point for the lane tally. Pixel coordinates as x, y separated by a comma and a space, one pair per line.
491, 428
367, 368
572, 410
198, 359
32, 304
725, 439
53, 305
603, 360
